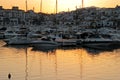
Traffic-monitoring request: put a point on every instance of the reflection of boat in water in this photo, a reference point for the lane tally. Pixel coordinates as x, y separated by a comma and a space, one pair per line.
26, 65
44, 49
104, 46
96, 51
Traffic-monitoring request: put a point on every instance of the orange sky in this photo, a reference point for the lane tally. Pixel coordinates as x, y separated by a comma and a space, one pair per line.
63, 5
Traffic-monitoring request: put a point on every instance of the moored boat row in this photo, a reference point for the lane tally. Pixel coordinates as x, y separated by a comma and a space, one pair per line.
92, 42
56, 38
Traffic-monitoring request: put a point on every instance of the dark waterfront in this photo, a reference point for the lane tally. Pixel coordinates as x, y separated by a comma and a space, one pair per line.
25, 63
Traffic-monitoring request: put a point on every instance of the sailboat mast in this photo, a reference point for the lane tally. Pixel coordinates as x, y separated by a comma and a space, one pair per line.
82, 3
41, 6
26, 5
56, 6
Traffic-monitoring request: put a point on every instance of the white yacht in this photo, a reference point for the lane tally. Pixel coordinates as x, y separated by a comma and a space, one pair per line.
18, 40
64, 41
15, 31
9, 34
2, 30
34, 34
1, 35
99, 41
17, 35
44, 42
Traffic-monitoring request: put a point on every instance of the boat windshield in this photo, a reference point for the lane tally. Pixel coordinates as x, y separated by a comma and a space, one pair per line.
9, 31
106, 36
99, 36
94, 36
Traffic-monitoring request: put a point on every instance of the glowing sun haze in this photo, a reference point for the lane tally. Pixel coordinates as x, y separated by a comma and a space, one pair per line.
63, 5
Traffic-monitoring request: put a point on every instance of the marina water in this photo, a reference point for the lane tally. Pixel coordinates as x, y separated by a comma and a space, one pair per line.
24, 63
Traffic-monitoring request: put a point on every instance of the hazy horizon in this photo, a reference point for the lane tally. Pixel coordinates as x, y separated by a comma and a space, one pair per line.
49, 5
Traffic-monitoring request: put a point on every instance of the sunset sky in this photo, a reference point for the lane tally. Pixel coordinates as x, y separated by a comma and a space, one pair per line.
63, 5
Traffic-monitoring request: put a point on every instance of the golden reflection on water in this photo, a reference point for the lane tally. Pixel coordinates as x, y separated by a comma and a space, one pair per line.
60, 64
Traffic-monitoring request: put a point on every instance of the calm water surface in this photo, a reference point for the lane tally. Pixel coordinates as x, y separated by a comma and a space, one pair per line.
61, 64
